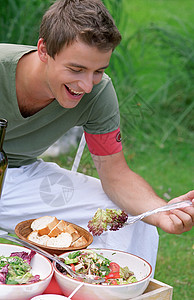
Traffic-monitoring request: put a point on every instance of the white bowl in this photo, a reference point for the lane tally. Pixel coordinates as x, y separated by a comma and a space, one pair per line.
141, 268
40, 266
49, 297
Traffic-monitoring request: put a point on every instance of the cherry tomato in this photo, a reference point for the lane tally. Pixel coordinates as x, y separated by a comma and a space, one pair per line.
73, 267
112, 275
114, 267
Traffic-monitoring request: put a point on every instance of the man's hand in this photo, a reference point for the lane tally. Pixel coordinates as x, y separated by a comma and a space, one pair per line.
180, 220
134, 195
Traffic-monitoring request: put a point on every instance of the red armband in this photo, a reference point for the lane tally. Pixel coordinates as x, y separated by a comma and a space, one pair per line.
104, 144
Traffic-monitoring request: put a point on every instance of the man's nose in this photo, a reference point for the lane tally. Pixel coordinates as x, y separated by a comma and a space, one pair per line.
87, 83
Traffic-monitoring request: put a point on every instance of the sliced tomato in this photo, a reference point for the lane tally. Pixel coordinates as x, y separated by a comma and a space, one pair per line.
114, 267
73, 267
112, 275
114, 282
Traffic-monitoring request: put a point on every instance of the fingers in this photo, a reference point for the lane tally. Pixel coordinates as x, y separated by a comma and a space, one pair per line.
190, 195
190, 211
183, 220
179, 220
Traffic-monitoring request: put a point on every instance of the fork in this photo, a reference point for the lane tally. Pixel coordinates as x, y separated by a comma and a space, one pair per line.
81, 277
181, 204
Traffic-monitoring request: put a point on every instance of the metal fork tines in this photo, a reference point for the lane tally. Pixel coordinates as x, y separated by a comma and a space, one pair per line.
181, 204
55, 258
81, 277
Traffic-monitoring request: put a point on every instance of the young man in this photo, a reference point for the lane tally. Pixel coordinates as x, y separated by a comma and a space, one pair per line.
45, 91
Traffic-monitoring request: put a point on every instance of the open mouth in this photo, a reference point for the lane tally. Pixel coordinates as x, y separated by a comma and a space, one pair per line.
73, 93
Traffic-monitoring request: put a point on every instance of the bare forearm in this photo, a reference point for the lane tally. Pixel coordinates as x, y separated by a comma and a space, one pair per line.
133, 194
129, 190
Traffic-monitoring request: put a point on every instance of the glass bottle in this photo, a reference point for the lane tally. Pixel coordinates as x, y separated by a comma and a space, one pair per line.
3, 156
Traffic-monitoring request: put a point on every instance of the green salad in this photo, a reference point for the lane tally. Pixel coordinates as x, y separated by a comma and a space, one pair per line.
16, 268
91, 263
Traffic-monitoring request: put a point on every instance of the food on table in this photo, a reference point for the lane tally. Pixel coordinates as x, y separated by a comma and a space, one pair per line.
44, 224
79, 242
64, 239
16, 268
51, 232
39, 239
91, 263
103, 220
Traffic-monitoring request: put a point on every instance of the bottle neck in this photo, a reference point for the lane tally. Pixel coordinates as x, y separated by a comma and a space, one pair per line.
2, 136
3, 125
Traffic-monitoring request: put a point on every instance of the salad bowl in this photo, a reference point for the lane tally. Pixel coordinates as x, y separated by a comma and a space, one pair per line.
142, 272
40, 266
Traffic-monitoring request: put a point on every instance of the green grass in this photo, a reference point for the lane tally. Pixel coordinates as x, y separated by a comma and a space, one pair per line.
152, 71
169, 170
175, 263
153, 68
20, 19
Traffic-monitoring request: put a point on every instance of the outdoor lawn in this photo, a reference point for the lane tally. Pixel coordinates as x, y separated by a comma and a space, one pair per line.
153, 71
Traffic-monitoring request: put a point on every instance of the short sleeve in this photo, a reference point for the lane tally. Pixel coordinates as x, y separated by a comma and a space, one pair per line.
104, 144
102, 130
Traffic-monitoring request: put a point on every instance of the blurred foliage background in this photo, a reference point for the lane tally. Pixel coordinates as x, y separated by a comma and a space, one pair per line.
153, 73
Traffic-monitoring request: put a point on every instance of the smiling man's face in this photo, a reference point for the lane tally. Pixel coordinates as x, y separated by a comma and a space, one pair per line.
74, 71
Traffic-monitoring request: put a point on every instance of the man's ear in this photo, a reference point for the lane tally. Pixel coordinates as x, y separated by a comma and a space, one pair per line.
42, 51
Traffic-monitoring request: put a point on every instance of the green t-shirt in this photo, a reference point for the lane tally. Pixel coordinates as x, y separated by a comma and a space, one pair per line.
27, 138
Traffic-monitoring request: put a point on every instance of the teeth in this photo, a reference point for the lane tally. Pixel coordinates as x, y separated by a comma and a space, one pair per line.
77, 93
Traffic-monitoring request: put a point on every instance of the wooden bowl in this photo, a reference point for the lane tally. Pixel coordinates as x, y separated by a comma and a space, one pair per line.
23, 229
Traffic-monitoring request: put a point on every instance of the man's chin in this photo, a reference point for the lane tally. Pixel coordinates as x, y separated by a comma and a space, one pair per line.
69, 104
